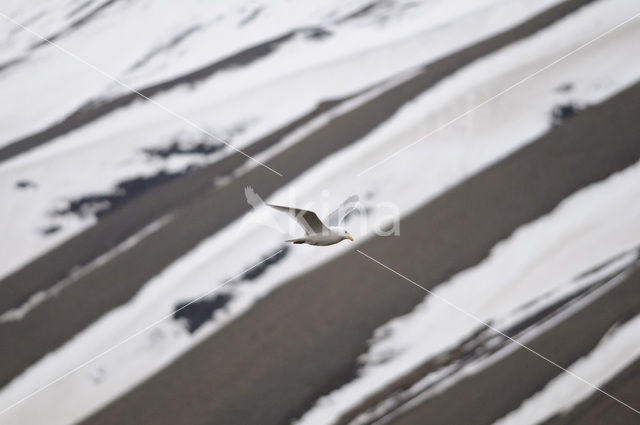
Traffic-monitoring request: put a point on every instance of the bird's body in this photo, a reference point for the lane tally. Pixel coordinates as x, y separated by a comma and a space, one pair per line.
333, 236
316, 232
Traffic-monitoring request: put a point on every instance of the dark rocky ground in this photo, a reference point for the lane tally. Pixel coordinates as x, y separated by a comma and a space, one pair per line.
303, 340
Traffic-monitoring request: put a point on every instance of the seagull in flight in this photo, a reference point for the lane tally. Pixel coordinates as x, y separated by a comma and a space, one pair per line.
317, 232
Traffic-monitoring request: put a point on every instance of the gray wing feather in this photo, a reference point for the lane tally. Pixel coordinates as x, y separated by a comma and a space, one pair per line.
307, 219
347, 207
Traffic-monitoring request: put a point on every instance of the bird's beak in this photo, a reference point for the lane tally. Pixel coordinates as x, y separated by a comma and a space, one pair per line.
350, 238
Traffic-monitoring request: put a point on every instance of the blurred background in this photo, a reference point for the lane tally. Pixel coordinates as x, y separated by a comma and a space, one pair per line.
138, 285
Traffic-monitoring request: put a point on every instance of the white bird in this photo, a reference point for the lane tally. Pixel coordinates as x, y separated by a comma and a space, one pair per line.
316, 232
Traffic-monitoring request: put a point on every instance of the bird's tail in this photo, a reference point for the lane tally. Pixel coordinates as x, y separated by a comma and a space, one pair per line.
297, 240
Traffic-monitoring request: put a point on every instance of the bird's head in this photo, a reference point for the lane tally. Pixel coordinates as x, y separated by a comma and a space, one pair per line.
346, 235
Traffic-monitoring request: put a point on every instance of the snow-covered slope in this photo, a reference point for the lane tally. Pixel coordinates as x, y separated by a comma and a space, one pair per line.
331, 50
308, 55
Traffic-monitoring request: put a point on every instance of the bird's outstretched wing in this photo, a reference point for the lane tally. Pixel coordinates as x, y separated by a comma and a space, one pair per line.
347, 207
307, 219
253, 198
256, 202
